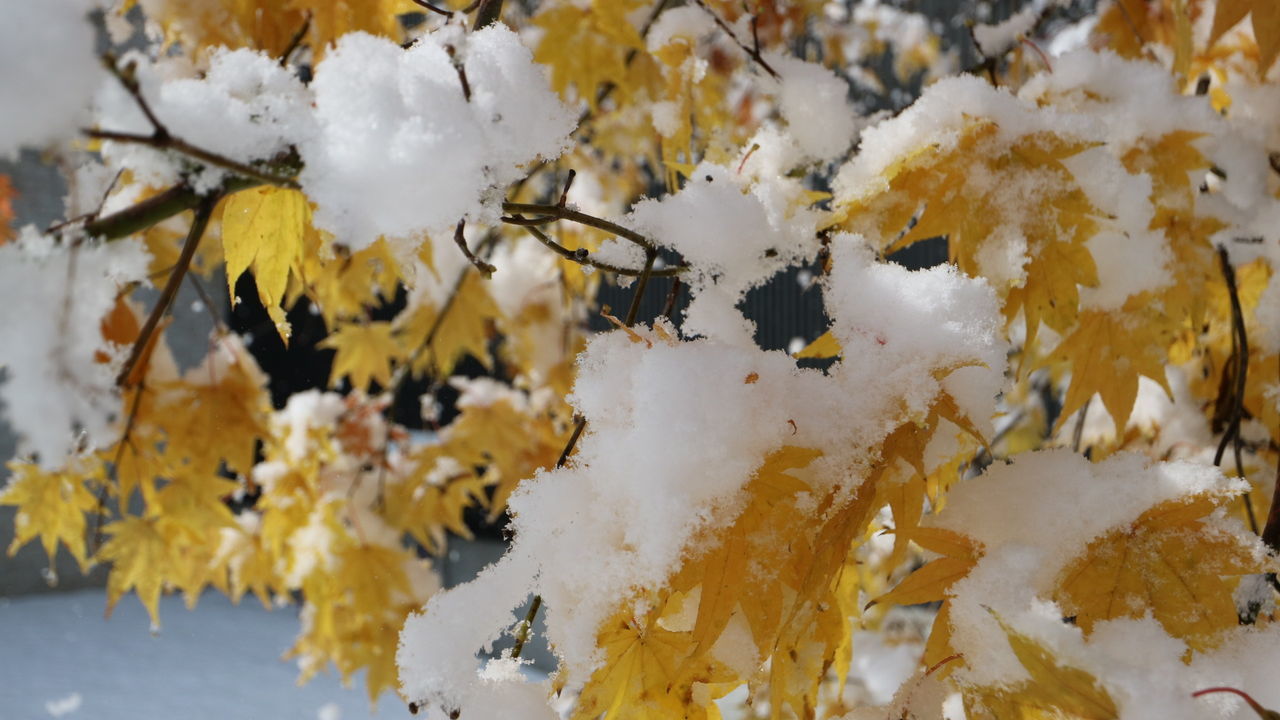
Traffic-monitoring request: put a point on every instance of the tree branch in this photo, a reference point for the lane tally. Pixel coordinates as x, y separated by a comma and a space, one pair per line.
561, 213
752, 52
582, 258
489, 12
201, 221
165, 141
651, 255
158, 208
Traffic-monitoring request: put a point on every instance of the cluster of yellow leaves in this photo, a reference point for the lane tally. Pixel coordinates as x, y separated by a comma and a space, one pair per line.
781, 584
587, 46
1171, 563
271, 25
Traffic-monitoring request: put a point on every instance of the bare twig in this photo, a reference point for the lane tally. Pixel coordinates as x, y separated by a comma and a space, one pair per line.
129, 81
651, 256
673, 296
165, 141
568, 183
295, 42
561, 213
460, 238
1240, 374
433, 8
203, 212
752, 52
581, 257
1078, 434
522, 635
488, 13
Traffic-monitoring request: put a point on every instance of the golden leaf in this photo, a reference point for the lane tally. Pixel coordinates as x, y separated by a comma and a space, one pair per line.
140, 558
263, 228
586, 46
1266, 26
1170, 563
645, 676
51, 506
365, 351
1106, 353
1054, 691
440, 342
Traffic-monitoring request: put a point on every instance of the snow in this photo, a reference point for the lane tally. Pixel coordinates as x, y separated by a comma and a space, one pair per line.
814, 102
735, 231
58, 393
994, 40
660, 460
402, 151
1014, 512
60, 658
50, 71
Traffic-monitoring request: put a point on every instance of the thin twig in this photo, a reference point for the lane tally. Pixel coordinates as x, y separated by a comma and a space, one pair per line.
488, 13
673, 296
165, 141
459, 237
130, 83
579, 423
581, 257
522, 635
650, 257
1078, 435
209, 306
568, 183
198, 225
126, 439
753, 53
561, 213
1240, 351
433, 8
296, 41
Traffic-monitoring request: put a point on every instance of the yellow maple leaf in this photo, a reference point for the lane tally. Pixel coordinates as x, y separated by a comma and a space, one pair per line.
440, 342
645, 676
345, 284
1107, 352
139, 554
1055, 690
1170, 563
508, 441
270, 25
51, 506
586, 46
1266, 25
263, 228
931, 192
365, 351
196, 412
426, 503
